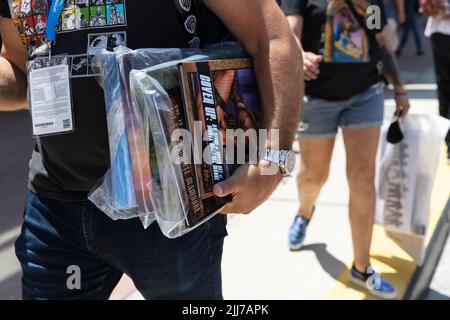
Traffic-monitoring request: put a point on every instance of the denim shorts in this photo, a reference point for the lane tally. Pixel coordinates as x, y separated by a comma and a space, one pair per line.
321, 118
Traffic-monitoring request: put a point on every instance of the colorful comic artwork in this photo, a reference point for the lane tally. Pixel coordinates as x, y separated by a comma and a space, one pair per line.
87, 14
29, 16
31, 20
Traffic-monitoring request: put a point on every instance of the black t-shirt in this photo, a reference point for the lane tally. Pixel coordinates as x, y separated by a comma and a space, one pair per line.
67, 166
349, 62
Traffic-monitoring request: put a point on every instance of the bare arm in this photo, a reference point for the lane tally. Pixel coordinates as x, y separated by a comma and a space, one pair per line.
264, 32
296, 25
13, 57
262, 28
311, 61
401, 17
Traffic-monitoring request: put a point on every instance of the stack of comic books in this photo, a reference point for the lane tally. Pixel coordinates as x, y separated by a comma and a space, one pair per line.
220, 96
168, 113
205, 99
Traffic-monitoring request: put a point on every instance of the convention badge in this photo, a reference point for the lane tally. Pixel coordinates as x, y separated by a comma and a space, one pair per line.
50, 96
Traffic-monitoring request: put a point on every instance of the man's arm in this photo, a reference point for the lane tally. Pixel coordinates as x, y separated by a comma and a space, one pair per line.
13, 57
264, 32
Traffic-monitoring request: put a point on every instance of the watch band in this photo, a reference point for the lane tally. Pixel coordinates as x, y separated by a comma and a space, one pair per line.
281, 158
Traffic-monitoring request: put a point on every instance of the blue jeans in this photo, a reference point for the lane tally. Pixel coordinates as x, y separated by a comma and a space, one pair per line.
59, 234
412, 24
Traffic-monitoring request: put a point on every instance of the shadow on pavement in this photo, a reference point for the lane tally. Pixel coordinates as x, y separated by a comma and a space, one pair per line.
339, 271
330, 264
10, 288
435, 295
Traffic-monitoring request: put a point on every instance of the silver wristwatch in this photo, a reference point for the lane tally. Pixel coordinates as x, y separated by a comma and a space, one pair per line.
285, 159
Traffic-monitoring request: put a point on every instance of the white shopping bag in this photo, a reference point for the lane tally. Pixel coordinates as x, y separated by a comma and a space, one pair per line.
405, 178
397, 181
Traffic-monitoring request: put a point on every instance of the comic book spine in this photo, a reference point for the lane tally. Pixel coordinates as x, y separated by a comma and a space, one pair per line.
210, 121
178, 121
139, 158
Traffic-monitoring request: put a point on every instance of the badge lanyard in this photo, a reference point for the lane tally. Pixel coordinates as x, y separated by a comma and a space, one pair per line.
53, 16
50, 96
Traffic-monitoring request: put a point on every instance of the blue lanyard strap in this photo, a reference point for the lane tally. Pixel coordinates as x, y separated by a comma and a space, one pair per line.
53, 17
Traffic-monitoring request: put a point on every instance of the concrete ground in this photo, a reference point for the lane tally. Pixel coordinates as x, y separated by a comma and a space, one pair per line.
16, 144
440, 284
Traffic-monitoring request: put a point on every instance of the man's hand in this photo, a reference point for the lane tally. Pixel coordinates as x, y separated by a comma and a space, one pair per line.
248, 187
277, 62
311, 65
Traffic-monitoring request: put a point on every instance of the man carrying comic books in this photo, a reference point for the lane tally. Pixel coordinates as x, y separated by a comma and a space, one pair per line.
61, 228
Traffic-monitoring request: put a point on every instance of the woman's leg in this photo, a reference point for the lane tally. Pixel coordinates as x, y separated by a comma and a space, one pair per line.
315, 157
361, 147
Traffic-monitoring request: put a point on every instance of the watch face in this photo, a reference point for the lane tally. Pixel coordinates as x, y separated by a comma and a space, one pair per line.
290, 161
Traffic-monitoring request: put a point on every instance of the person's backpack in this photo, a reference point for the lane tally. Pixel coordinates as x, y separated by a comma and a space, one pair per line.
435, 8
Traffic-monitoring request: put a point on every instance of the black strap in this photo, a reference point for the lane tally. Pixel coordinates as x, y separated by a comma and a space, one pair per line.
360, 19
377, 51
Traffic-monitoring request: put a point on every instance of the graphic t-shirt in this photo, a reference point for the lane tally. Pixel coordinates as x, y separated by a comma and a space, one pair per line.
331, 29
67, 166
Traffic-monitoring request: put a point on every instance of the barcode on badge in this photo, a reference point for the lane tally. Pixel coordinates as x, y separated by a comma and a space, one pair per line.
45, 124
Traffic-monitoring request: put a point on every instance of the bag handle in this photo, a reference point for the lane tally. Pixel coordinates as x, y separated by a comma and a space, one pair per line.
359, 18
374, 45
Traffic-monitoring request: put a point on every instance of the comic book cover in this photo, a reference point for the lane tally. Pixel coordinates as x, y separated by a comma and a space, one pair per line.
221, 95
177, 117
142, 154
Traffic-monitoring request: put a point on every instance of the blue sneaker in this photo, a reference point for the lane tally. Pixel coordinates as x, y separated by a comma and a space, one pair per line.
297, 233
373, 283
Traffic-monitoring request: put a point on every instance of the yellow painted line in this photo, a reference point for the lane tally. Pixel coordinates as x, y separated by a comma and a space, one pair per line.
388, 257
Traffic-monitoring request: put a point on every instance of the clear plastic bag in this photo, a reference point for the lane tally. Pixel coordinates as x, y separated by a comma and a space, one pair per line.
142, 180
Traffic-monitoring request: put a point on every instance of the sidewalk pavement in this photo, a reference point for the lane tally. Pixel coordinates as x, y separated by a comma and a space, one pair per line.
16, 145
440, 284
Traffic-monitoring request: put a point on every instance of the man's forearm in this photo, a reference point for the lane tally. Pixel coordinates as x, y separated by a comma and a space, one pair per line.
278, 67
13, 87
